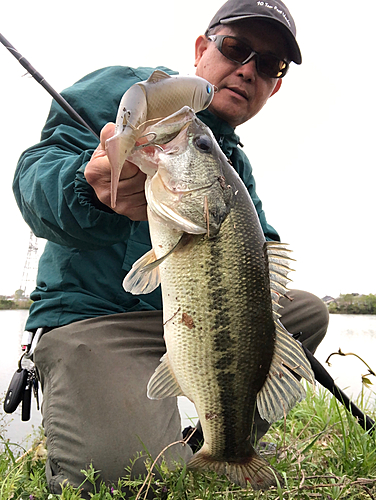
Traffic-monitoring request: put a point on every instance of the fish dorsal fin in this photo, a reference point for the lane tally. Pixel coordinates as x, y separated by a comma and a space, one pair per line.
278, 257
163, 383
142, 278
282, 390
157, 76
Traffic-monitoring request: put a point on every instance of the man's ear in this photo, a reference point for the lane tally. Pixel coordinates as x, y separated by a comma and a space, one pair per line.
277, 87
200, 47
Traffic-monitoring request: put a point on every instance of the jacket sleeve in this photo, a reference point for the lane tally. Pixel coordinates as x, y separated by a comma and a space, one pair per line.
49, 184
245, 172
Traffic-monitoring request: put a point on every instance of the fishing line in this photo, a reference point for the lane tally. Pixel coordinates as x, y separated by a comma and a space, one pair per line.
40, 79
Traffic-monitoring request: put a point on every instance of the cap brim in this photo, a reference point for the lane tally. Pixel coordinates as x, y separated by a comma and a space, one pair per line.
295, 54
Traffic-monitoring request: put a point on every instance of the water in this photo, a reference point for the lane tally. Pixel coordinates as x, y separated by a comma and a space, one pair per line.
11, 328
351, 333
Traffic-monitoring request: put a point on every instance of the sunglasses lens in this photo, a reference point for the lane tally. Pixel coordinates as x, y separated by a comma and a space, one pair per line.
271, 66
234, 49
237, 51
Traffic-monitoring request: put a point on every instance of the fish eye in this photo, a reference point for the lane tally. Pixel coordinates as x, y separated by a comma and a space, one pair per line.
203, 142
208, 88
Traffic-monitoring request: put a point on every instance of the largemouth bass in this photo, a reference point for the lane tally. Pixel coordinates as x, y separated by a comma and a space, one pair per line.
156, 98
226, 349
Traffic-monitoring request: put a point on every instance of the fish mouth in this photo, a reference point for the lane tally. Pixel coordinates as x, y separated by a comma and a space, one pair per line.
180, 187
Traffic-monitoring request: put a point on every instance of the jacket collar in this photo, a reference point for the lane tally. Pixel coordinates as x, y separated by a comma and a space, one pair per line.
223, 132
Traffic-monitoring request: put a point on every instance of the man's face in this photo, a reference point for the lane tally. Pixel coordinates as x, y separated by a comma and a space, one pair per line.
242, 92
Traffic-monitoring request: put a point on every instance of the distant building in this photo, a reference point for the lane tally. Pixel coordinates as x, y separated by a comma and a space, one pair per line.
328, 300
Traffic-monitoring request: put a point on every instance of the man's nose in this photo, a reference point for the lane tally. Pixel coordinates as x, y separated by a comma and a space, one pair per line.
248, 71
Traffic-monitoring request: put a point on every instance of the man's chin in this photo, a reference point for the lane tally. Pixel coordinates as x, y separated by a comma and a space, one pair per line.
230, 112
229, 118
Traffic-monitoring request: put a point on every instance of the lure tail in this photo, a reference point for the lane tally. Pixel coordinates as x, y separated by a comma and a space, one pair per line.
118, 148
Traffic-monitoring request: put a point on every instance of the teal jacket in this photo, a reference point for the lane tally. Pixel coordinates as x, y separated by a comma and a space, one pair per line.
90, 248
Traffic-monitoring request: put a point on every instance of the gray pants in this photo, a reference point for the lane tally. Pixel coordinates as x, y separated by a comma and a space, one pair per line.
94, 375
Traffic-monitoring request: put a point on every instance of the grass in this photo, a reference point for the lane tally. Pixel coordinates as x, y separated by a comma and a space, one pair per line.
322, 453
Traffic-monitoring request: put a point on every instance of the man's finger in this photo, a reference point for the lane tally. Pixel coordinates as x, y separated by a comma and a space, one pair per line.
107, 132
129, 171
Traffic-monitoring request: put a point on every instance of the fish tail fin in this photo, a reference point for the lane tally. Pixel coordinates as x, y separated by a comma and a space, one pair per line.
252, 471
118, 148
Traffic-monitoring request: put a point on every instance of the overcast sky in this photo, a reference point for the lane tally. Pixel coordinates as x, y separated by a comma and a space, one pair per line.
311, 147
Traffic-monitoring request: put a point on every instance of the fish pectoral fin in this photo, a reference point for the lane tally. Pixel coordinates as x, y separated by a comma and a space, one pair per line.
144, 276
163, 383
252, 471
157, 76
282, 390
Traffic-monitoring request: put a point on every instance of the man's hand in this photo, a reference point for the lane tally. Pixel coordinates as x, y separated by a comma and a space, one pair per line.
131, 199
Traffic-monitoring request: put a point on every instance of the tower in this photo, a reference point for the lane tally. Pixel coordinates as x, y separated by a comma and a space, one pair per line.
29, 274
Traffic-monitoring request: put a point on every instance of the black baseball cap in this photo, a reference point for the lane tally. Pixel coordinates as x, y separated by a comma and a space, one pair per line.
274, 11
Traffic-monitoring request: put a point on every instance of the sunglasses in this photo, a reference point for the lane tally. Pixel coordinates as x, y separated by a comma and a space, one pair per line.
241, 53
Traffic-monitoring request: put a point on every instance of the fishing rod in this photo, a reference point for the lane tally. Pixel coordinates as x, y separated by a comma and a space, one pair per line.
39, 78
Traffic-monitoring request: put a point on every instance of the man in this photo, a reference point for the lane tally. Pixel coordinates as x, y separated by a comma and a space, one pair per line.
101, 344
